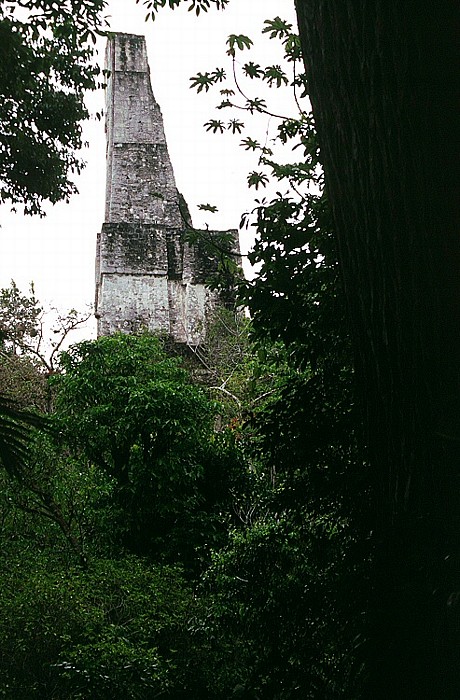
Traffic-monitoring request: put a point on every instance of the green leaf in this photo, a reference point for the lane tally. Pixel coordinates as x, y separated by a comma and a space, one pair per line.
250, 144
218, 75
235, 126
274, 74
253, 70
276, 28
202, 81
240, 41
208, 207
256, 105
292, 48
257, 179
215, 125
224, 104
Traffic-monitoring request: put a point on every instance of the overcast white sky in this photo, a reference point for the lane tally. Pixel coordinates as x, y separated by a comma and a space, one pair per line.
57, 252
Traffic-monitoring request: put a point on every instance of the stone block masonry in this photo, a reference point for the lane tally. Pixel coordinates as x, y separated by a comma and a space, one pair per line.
146, 276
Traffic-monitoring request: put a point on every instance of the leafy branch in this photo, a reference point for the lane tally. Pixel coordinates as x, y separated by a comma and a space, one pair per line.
16, 431
47, 65
24, 326
197, 6
298, 129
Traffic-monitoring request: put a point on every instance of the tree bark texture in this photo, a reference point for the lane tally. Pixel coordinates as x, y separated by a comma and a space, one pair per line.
384, 85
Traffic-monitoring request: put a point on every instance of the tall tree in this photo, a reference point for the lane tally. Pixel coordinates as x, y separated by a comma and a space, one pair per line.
383, 85
382, 81
131, 410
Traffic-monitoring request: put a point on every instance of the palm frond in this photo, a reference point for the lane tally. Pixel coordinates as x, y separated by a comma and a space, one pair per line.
16, 432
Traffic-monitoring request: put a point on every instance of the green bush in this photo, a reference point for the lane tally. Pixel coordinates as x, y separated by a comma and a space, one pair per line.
116, 630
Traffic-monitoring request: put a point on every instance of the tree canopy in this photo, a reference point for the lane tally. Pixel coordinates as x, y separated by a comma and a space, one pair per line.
47, 64
344, 477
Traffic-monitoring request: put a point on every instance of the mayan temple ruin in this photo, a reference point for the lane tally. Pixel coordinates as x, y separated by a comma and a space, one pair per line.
146, 276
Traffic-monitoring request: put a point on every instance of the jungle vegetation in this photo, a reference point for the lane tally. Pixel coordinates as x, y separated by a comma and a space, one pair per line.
289, 528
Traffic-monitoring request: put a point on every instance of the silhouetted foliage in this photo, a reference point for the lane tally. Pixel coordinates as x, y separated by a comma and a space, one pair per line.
47, 52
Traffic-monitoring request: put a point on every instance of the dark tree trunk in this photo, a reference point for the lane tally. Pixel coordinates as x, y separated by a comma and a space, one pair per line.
383, 79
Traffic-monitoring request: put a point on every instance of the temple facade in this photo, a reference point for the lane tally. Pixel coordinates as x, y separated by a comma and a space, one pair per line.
146, 275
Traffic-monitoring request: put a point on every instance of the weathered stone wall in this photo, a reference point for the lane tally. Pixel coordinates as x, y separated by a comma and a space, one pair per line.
145, 275
140, 179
